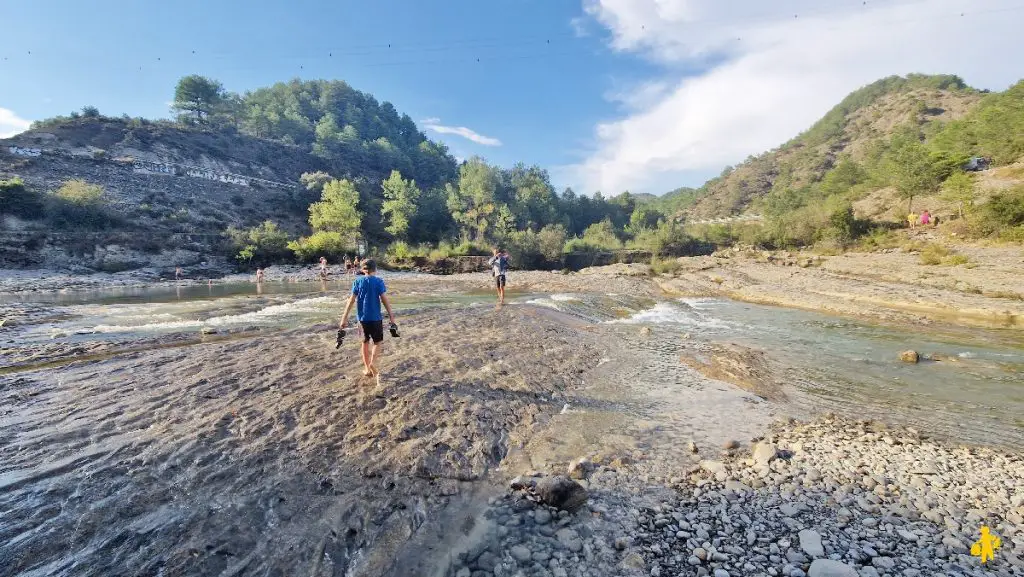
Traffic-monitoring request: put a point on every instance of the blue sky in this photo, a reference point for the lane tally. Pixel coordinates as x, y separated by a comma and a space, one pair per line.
609, 95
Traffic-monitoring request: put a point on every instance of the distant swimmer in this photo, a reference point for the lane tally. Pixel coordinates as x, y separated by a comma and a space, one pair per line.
323, 267
259, 275
499, 268
368, 292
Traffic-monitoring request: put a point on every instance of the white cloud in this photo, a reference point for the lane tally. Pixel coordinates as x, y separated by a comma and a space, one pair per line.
11, 123
435, 125
579, 27
772, 75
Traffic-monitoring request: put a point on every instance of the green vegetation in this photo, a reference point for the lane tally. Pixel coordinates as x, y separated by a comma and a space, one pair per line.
262, 244
335, 221
17, 200
79, 205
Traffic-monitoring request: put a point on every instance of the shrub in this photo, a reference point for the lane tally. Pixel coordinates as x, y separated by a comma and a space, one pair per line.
664, 266
956, 260
17, 200
78, 204
264, 243
933, 254
333, 245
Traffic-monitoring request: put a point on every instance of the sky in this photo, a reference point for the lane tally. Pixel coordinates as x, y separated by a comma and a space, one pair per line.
608, 95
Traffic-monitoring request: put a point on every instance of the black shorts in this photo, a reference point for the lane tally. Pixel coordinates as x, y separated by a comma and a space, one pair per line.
374, 330
500, 281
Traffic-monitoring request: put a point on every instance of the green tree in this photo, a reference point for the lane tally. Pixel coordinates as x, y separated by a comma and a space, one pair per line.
533, 199
315, 181
90, 112
197, 96
401, 198
644, 217
473, 201
909, 167
337, 211
959, 188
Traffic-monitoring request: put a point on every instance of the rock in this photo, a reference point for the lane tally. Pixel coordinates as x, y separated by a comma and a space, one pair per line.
713, 467
561, 493
700, 553
830, 568
736, 487
692, 447
693, 560
521, 482
542, 516
907, 535
883, 563
566, 536
645, 331
208, 331
633, 561
731, 445
622, 543
789, 509
868, 572
764, 453
810, 542
909, 357
721, 573
581, 469
464, 572
521, 553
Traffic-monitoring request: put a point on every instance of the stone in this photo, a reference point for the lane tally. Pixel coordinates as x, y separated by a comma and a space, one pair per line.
830, 568
810, 542
907, 535
464, 572
692, 447
542, 516
736, 487
868, 572
521, 553
622, 543
883, 563
731, 445
561, 493
910, 357
764, 453
713, 467
581, 468
633, 561
721, 573
700, 553
693, 560
521, 482
645, 331
789, 509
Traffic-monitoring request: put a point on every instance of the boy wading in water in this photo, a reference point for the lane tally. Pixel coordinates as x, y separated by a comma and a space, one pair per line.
499, 267
367, 294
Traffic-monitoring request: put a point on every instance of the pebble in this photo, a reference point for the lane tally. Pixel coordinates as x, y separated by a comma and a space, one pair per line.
721, 573
810, 542
521, 553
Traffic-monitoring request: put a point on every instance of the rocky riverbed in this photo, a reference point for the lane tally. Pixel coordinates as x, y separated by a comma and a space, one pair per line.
830, 498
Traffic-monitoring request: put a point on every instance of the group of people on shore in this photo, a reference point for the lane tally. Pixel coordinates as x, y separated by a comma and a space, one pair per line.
923, 219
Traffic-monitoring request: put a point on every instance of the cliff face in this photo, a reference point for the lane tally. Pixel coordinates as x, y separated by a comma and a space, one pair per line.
173, 192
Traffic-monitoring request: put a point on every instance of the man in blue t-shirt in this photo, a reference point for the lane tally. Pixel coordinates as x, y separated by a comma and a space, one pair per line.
367, 294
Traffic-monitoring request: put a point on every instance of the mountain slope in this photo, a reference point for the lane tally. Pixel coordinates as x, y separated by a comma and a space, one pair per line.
864, 119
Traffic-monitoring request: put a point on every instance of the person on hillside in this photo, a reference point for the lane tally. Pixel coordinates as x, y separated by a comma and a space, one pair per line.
499, 268
926, 218
368, 292
912, 220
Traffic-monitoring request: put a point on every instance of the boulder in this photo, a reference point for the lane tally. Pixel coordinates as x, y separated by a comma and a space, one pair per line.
830, 568
763, 453
581, 469
910, 357
561, 492
810, 542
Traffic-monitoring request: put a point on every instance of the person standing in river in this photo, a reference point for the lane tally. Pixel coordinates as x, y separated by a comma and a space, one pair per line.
368, 292
499, 268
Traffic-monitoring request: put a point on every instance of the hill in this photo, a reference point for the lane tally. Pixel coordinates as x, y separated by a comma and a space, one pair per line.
899, 138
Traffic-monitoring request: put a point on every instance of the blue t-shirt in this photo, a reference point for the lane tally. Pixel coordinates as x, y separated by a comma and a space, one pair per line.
368, 290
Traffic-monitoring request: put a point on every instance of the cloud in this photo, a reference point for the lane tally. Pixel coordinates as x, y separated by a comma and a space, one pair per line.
766, 74
11, 123
435, 125
579, 27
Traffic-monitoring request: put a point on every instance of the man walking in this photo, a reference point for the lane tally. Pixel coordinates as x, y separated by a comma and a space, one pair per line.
499, 267
368, 292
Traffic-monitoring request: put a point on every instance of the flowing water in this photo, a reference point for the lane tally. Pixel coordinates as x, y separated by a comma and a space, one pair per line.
974, 394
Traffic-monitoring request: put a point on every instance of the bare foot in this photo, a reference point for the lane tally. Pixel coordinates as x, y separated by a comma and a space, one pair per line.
368, 372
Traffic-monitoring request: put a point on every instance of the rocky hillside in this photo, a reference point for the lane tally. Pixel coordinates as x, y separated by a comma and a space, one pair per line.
173, 191
853, 129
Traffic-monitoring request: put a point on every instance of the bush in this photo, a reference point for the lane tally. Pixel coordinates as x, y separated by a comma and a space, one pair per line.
669, 239
664, 266
933, 254
78, 204
264, 244
333, 245
956, 260
17, 200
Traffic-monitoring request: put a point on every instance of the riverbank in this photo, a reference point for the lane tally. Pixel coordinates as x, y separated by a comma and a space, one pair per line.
892, 286
267, 451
